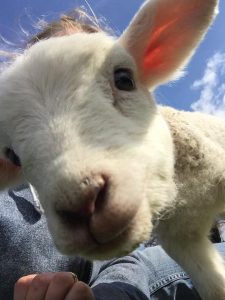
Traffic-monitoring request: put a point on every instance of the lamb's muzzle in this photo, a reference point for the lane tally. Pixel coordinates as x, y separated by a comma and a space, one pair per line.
86, 210
92, 195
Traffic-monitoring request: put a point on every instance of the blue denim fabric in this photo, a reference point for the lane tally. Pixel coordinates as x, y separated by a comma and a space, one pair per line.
166, 279
151, 271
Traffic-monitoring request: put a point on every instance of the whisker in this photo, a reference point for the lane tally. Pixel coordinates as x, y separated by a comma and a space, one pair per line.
93, 13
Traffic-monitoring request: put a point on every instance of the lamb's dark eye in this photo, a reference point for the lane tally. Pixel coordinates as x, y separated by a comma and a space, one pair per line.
124, 80
11, 155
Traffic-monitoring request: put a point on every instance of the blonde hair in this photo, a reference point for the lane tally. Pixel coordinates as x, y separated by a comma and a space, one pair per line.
76, 21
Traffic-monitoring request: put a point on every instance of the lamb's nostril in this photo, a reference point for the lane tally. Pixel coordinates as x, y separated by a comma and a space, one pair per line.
101, 197
89, 199
92, 193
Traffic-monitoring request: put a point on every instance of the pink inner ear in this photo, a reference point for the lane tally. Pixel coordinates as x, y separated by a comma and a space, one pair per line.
154, 53
9, 173
159, 54
171, 37
8, 168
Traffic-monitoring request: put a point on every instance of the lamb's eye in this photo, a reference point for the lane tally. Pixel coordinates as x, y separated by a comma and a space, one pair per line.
11, 155
124, 80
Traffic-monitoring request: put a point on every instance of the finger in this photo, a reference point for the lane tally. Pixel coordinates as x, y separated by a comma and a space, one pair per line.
80, 291
60, 285
21, 287
39, 286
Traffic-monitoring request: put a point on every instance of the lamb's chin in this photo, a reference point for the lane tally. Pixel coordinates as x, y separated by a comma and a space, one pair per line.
119, 246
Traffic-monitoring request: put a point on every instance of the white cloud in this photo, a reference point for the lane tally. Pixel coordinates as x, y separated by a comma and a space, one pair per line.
212, 87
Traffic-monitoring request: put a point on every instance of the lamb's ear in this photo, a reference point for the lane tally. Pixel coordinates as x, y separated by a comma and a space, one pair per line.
163, 35
10, 174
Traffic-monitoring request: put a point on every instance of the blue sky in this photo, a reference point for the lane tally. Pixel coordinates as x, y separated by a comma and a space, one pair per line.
203, 87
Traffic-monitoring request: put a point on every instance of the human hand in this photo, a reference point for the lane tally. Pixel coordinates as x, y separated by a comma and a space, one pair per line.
52, 286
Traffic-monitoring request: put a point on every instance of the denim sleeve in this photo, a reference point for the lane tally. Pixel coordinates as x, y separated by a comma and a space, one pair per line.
151, 271
145, 274
118, 291
121, 278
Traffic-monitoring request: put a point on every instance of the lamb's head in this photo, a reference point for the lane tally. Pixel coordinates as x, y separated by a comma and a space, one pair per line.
77, 122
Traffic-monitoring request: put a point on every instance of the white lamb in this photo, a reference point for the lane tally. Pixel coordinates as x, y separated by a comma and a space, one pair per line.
77, 122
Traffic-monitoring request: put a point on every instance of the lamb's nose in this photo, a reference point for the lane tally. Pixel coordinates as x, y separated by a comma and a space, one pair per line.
91, 195
92, 189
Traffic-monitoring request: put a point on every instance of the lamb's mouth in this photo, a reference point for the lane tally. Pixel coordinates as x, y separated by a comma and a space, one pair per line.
115, 245
104, 234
